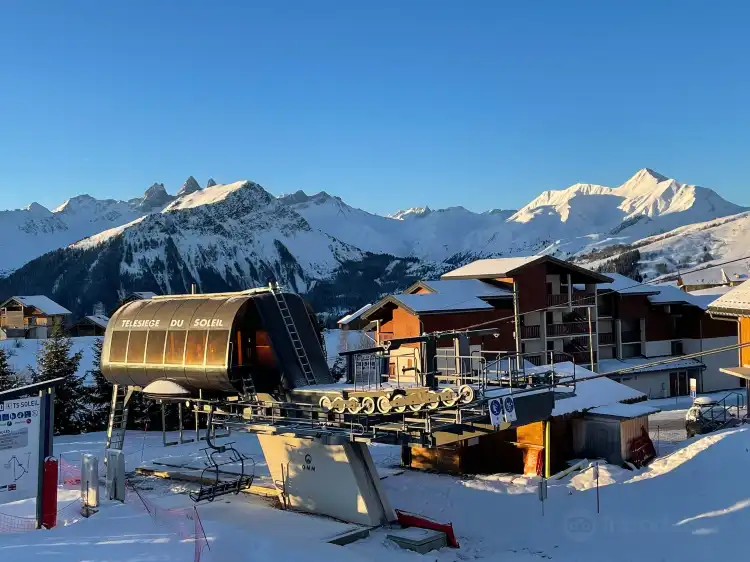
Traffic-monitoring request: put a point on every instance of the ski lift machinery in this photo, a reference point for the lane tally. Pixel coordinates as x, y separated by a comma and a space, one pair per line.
254, 361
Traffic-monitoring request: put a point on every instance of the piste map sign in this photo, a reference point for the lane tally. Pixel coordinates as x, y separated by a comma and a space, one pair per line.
19, 448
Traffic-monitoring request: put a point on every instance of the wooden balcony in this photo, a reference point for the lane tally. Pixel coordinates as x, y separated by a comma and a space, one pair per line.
530, 332
580, 298
567, 329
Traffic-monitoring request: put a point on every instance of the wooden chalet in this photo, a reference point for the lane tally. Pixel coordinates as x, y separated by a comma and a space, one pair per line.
31, 317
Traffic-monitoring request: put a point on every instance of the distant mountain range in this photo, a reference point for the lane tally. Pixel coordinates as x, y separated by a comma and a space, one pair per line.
232, 236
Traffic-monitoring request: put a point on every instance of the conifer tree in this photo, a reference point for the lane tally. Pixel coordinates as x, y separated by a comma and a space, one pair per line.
55, 360
8, 376
100, 395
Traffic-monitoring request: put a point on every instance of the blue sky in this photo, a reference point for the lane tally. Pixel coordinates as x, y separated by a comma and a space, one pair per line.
388, 104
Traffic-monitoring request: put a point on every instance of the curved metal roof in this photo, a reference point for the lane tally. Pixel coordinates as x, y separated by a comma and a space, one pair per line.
180, 314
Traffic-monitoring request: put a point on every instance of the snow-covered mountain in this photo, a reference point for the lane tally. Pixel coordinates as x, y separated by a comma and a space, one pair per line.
237, 235
223, 237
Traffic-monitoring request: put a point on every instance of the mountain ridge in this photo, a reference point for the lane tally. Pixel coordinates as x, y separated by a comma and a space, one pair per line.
236, 235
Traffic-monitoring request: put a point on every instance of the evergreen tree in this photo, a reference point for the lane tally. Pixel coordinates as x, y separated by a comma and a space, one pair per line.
100, 394
8, 377
55, 360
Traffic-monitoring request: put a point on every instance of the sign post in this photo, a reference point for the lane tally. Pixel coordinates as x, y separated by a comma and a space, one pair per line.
26, 439
496, 412
596, 476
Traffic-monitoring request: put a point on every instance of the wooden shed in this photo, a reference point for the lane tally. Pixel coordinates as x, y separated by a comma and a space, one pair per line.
607, 431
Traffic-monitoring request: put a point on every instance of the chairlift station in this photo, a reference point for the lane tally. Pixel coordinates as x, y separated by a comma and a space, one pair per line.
255, 361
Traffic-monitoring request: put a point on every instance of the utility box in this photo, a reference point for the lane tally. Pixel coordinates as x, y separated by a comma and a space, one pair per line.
90, 480
115, 475
419, 540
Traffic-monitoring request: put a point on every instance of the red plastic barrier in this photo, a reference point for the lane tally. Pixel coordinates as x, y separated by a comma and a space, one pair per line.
411, 520
49, 493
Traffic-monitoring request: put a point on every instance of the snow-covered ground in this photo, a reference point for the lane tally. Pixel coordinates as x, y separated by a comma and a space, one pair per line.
23, 353
689, 504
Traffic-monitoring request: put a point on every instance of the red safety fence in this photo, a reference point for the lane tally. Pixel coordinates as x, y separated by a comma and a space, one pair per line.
185, 522
70, 474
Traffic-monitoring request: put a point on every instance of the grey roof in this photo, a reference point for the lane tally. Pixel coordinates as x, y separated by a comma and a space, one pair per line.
43, 304
735, 303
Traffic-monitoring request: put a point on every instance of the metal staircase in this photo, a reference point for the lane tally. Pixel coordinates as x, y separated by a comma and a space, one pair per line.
118, 416
291, 329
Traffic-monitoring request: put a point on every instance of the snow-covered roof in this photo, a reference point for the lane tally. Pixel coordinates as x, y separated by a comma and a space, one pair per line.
735, 303
624, 411
613, 365
143, 294
717, 275
506, 267
98, 319
465, 288
43, 304
658, 293
669, 295
627, 286
601, 391
435, 302
715, 291
354, 315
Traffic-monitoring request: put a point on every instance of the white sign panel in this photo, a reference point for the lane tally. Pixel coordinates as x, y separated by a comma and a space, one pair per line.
19, 449
496, 411
509, 407
693, 387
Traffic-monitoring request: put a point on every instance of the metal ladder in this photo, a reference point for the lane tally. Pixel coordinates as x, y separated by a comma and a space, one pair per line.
291, 329
118, 416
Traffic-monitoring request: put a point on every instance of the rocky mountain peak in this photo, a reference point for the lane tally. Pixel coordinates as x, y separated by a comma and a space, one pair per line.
210, 182
190, 186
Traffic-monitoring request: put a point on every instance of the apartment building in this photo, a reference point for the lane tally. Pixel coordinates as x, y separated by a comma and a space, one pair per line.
734, 309
563, 312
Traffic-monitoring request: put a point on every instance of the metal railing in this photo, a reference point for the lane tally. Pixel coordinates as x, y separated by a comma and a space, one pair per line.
530, 331
606, 339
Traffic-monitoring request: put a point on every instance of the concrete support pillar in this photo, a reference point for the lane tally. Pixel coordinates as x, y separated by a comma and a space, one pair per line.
618, 338
334, 478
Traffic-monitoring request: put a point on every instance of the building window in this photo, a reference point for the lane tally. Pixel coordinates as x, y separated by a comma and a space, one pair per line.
155, 347
216, 348
550, 346
175, 348
195, 347
117, 346
136, 347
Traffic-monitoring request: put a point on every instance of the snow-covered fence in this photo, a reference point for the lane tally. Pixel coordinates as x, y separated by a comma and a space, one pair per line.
185, 522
